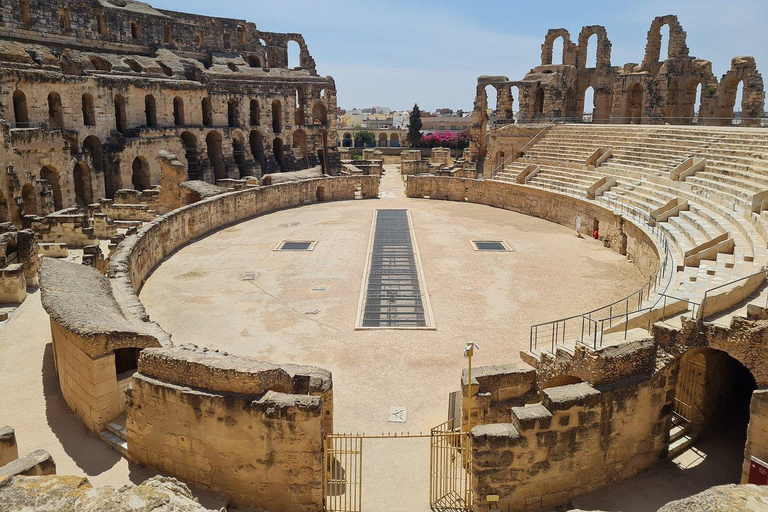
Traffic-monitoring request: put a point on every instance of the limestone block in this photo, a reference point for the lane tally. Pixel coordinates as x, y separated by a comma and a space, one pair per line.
9, 451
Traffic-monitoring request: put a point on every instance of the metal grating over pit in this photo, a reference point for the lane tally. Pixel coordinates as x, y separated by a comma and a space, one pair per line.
393, 297
487, 245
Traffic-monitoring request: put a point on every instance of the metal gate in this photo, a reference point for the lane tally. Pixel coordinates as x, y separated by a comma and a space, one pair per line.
687, 381
450, 466
450, 469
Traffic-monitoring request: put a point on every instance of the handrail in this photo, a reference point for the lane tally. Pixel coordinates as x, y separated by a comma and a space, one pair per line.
653, 120
514, 155
730, 283
689, 301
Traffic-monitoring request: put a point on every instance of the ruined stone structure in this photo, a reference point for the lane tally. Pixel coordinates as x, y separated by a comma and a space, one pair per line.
662, 89
92, 91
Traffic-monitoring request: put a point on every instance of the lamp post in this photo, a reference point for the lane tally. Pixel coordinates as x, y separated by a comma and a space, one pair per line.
469, 351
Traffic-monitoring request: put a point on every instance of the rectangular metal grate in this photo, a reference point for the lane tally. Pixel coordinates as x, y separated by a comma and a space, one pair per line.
393, 295
296, 246
489, 246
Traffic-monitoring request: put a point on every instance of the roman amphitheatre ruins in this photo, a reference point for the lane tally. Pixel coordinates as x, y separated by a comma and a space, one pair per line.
206, 303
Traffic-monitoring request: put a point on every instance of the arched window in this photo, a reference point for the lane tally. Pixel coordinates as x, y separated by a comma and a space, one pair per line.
664, 43
216, 155
83, 184
738, 107
588, 104
633, 107
294, 55
279, 152
26, 16
135, 32
591, 51
319, 115
254, 61
89, 116
238, 154
300, 143
29, 199
257, 147
538, 102
189, 142
55, 113
557, 50
206, 108
140, 177
254, 113
383, 140
120, 116
150, 110
277, 117
299, 108
51, 175
178, 111
232, 112
20, 114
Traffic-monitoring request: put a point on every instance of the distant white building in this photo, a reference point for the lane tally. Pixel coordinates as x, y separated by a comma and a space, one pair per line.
400, 120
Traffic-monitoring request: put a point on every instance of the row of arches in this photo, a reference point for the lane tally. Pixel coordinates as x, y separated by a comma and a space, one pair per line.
383, 140
56, 112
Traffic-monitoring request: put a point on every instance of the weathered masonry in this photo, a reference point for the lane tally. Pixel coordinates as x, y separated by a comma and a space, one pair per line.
91, 92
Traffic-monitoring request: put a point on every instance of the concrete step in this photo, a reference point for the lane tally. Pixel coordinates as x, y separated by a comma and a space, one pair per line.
115, 442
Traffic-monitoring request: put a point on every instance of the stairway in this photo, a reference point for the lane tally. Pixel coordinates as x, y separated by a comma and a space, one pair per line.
681, 436
115, 435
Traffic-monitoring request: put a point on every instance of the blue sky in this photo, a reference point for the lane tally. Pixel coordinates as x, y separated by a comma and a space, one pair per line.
399, 52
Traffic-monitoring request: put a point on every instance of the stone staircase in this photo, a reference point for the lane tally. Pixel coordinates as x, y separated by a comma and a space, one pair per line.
681, 436
115, 435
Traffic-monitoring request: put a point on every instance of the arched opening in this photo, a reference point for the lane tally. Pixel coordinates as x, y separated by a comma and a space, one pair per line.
55, 113
150, 110
238, 154
126, 362
557, 50
93, 148
51, 175
277, 117
713, 392
29, 199
383, 140
89, 116
347, 140
300, 143
216, 155
254, 113
256, 142
140, 177
691, 103
633, 106
178, 111
298, 113
254, 61
591, 52
569, 104
232, 113
294, 55
515, 93
491, 101
189, 142
587, 104
20, 113
83, 184
394, 141
672, 111
561, 380
319, 115
664, 33
120, 115
738, 107
205, 105
538, 102
279, 152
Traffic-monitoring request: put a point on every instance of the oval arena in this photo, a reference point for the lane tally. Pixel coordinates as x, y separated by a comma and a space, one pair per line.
207, 296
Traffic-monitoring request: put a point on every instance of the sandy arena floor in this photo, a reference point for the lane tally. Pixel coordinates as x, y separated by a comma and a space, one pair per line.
198, 295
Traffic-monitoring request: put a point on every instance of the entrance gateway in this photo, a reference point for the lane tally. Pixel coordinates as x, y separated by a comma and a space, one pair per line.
450, 469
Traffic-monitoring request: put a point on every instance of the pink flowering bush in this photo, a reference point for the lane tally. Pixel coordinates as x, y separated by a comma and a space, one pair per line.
446, 140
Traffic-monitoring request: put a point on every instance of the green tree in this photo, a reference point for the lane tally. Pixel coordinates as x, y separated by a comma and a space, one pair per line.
365, 139
414, 127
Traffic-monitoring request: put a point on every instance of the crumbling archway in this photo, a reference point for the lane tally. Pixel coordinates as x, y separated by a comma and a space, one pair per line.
83, 184
216, 155
140, 176
256, 141
20, 113
51, 175
55, 112
29, 199
633, 104
279, 152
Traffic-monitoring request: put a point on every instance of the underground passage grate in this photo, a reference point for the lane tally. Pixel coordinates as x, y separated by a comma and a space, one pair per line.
482, 245
393, 295
289, 245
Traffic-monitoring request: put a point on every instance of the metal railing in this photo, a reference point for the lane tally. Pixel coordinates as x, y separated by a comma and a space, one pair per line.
708, 293
694, 311
759, 122
520, 152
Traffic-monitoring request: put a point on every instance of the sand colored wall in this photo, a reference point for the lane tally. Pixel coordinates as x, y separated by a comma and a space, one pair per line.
89, 385
232, 425
757, 432
13, 284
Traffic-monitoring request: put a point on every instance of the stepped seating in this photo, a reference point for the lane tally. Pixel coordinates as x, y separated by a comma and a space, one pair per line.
719, 195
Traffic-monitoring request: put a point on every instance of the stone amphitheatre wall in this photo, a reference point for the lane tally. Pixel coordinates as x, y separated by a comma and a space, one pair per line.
625, 237
248, 430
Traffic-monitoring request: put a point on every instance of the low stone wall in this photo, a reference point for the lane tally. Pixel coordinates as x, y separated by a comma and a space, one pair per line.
577, 439
9, 451
13, 284
249, 430
625, 238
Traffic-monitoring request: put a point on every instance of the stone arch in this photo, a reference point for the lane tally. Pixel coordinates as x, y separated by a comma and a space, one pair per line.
120, 114
279, 151
232, 117
254, 61
277, 117
89, 114
383, 141
320, 115
179, 117
549, 41
692, 97
743, 73
300, 143
293, 49
238, 151
29, 199
213, 143
298, 117
677, 46
601, 50
140, 176
20, 110
55, 111
538, 101
347, 140
189, 142
50, 174
256, 141
586, 104
394, 140
633, 103
83, 184
207, 110
254, 113
150, 110
92, 147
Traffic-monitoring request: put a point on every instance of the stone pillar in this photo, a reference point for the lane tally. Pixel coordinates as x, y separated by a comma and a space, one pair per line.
757, 432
